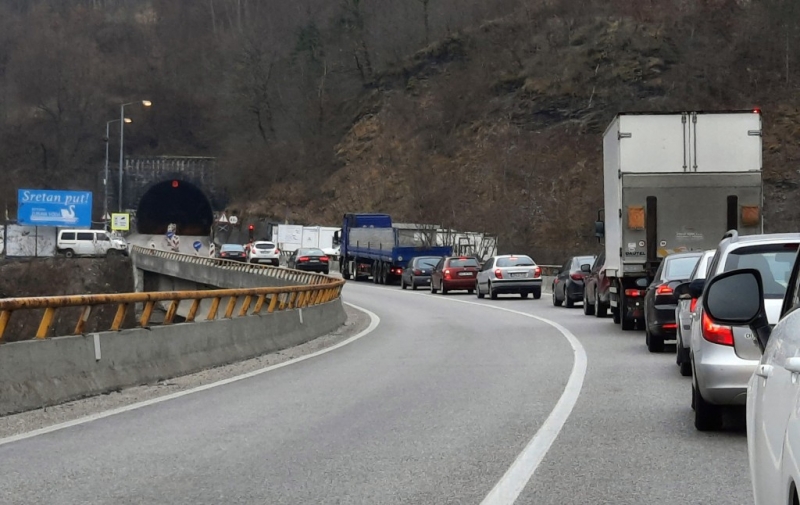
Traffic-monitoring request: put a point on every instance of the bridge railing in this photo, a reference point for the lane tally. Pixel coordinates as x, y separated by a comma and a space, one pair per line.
308, 289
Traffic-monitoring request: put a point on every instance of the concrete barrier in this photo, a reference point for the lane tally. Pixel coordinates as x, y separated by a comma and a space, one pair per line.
35, 374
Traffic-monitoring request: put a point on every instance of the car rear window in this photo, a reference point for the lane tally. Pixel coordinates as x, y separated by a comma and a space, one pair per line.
310, 252
232, 247
774, 262
680, 268
427, 262
515, 261
265, 245
463, 262
582, 260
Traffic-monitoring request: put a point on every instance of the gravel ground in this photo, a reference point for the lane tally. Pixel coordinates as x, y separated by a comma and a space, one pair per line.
41, 418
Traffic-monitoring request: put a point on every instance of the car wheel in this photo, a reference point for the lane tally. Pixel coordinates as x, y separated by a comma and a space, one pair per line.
433, 289
537, 293
443, 288
492, 292
600, 310
69, 253
707, 416
556, 301
478, 290
654, 343
413, 283
684, 361
524, 294
588, 309
402, 283
470, 291
686, 369
568, 302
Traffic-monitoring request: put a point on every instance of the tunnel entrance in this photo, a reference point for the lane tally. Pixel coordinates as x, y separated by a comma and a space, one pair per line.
174, 201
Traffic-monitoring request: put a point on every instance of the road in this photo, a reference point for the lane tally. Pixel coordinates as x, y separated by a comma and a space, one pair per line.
433, 406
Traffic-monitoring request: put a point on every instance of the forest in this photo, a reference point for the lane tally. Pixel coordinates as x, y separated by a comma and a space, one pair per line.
477, 114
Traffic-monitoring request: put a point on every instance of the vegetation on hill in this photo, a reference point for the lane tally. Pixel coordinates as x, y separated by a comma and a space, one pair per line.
482, 115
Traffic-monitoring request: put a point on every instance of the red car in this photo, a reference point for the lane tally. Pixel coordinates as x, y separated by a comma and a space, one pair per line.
595, 293
454, 273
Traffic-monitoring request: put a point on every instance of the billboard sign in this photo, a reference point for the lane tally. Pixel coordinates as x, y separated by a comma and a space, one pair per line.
43, 207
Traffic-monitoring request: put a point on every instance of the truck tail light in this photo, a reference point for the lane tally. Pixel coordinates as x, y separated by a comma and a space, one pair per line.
664, 289
498, 274
716, 333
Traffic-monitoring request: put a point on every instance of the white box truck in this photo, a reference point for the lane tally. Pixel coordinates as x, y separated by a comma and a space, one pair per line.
674, 182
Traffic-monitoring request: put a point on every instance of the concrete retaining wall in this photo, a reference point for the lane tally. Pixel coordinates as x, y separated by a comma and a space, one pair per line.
36, 374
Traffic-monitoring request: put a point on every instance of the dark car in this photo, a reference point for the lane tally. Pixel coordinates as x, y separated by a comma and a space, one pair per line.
596, 294
454, 273
309, 259
233, 252
660, 301
568, 284
418, 271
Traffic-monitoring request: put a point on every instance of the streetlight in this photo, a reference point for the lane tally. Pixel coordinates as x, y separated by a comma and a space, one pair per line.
145, 103
105, 177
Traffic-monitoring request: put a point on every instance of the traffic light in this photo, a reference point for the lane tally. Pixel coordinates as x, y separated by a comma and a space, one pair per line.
250, 231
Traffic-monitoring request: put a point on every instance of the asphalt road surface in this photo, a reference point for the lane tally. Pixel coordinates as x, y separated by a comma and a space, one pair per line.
436, 405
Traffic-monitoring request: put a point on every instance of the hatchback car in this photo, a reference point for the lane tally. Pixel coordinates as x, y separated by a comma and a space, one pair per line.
568, 286
683, 314
596, 293
263, 252
510, 273
234, 252
309, 259
660, 300
454, 273
418, 271
724, 357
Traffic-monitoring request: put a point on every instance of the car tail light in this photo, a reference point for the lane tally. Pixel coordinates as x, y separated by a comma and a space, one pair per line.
277, 251
693, 304
447, 274
537, 272
670, 326
576, 276
223, 254
323, 259
716, 333
417, 271
302, 258
664, 289
633, 293
498, 274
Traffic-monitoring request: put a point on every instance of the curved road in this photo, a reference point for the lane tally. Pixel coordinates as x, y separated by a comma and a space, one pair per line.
433, 406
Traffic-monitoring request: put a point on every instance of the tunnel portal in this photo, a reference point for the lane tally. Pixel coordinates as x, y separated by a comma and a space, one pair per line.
174, 201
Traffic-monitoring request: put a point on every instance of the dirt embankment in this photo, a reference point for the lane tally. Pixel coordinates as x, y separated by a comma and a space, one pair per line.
58, 277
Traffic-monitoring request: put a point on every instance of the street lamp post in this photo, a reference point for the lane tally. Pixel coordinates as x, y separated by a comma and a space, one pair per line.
105, 175
145, 103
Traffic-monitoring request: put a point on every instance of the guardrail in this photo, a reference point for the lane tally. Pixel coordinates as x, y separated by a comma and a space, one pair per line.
314, 289
550, 270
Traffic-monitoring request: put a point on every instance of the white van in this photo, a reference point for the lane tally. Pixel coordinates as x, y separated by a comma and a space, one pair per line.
89, 243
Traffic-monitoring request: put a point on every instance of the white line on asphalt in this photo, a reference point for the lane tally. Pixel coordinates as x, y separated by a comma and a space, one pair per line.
511, 484
374, 322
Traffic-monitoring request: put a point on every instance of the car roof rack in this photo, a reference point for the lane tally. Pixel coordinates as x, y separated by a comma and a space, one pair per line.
731, 234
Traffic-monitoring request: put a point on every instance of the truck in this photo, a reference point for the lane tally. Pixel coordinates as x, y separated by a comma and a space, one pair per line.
371, 247
674, 182
320, 237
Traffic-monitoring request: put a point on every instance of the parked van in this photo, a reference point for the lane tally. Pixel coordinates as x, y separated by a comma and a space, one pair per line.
89, 243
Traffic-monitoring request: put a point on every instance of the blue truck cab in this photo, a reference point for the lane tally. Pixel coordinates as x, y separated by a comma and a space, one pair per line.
372, 247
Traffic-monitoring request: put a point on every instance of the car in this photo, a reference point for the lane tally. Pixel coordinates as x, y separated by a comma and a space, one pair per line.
723, 357
740, 297
660, 301
570, 281
453, 273
686, 305
596, 293
309, 259
234, 252
418, 271
263, 251
509, 273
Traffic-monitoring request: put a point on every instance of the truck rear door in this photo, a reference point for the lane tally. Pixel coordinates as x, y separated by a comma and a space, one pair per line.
725, 142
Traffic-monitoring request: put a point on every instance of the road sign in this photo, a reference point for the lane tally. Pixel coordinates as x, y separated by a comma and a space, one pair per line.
106, 216
42, 207
197, 245
222, 218
120, 222
234, 220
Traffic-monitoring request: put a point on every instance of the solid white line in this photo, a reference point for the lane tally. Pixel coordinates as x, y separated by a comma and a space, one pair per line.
511, 484
374, 322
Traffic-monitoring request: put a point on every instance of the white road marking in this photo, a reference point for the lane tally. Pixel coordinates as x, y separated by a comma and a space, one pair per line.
511, 484
374, 322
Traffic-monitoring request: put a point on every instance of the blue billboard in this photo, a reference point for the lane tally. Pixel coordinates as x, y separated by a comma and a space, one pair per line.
44, 207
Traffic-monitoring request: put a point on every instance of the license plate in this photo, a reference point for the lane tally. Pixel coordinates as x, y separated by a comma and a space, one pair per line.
465, 274
518, 275
314, 261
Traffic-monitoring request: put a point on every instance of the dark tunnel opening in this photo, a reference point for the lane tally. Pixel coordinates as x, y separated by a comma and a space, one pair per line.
178, 202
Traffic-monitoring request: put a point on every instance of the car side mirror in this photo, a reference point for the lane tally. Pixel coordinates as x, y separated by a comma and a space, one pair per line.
599, 229
586, 268
737, 298
696, 288
682, 291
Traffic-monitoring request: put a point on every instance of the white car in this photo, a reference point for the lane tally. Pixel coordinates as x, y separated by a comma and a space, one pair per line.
263, 252
773, 392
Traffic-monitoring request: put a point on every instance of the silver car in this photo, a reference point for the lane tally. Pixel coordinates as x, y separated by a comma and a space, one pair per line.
509, 273
723, 358
683, 314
